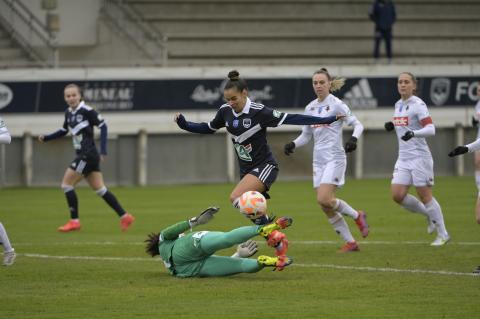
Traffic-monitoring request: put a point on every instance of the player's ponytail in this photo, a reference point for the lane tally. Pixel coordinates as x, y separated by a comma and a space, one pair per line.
335, 83
234, 81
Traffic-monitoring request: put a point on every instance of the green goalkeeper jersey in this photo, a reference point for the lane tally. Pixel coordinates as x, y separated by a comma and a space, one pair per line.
182, 255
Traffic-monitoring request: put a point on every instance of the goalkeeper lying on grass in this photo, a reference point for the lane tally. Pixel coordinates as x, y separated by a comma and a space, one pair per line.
192, 255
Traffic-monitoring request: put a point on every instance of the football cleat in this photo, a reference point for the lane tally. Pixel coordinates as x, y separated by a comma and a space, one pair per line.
281, 223
70, 226
282, 247
440, 241
126, 221
279, 262
361, 222
9, 258
349, 247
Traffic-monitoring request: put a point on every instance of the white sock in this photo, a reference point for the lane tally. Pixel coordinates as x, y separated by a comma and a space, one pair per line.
435, 213
343, 208
477, 179
341, 227
4, 239
235, 203
412, 204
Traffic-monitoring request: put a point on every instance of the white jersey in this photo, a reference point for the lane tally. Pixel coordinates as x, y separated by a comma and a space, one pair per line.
477, 116
328, 143
4, 134
411, 115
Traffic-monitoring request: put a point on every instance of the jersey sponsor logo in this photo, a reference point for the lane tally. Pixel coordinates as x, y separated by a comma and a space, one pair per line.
439, 90
6, 95
235, 123
319, 125
400, 120
243, 152
247, 123
360, 96
277, 114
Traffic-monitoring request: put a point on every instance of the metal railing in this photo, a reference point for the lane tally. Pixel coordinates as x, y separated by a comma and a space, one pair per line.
131, 24
29, 32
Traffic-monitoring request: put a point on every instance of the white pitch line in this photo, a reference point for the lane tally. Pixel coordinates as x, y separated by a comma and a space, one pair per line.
296, 242
371, 269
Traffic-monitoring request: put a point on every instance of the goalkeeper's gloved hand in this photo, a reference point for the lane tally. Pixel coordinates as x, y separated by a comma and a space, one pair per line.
181, 121
351, 144
204, 217
289, 148
408, 135
246, 249
474, 121
459, 150
389, 126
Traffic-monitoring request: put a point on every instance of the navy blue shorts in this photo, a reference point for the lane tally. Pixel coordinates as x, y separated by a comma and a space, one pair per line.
85, 164
267, 173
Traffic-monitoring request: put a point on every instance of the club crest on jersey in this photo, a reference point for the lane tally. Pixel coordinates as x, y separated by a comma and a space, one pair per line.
400, 120
235, 123
276, 113
247, 123
79, 117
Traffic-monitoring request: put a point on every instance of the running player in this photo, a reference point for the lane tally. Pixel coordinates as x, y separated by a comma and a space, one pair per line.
329, 159
9, 253
192, 255
469, 148
80, 120
247, 123
414, 166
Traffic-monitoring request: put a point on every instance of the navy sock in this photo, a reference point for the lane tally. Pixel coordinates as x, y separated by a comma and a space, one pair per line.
72, 202
113, 202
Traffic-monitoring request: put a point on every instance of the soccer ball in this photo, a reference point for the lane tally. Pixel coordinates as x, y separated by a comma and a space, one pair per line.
252, 204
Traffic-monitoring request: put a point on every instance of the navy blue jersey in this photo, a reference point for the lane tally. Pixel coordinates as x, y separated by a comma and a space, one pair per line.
248, 131
80, 123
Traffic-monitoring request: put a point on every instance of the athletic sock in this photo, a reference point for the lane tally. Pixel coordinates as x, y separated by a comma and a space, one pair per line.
436, 215
111, 200
343, 208
4, 239
341, 227
72, 201
414, 205
477, 179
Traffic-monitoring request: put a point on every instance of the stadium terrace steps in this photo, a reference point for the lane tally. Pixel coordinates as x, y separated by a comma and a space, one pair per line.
288, 31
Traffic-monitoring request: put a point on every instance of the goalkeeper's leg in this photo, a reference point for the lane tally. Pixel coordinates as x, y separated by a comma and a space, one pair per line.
215, 266
214, 241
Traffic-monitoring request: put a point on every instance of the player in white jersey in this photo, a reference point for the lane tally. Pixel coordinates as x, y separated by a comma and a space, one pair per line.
469, 148
329, 158
9, 253
414, 166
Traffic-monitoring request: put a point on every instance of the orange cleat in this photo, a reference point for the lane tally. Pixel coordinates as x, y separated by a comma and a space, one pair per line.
126, 221
361, 222
349, 247
70, 226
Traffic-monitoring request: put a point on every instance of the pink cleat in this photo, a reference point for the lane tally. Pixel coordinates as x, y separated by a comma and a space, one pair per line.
126, 221
72, 225
361, 222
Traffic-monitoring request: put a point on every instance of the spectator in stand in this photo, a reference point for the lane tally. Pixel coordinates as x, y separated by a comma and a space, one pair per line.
383, 13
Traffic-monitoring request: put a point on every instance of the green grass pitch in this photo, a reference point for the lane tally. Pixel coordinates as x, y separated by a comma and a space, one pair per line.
100, 272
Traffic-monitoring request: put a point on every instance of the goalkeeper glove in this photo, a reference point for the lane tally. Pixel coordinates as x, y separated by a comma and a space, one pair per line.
408, 135
389, 126
289, 148
351, 145
204, 217
246, 249
459, 150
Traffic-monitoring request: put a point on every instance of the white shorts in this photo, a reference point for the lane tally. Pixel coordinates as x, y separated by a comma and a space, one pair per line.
417, 172
332, 172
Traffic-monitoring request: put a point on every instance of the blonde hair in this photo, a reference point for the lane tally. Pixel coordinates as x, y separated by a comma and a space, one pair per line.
76, 86
335, 83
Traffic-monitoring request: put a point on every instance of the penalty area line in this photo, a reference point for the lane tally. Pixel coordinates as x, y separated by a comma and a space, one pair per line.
328, 266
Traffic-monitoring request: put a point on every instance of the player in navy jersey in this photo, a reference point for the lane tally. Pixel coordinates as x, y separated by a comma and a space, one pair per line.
80, 120
247, 122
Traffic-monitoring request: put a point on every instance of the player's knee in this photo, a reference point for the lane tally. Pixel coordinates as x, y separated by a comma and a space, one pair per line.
398, 197
326, 203
67, 188
101, 191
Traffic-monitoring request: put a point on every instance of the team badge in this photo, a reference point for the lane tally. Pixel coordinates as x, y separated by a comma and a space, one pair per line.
79, 117
247, 123
440, 90
276, 113
235, 123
